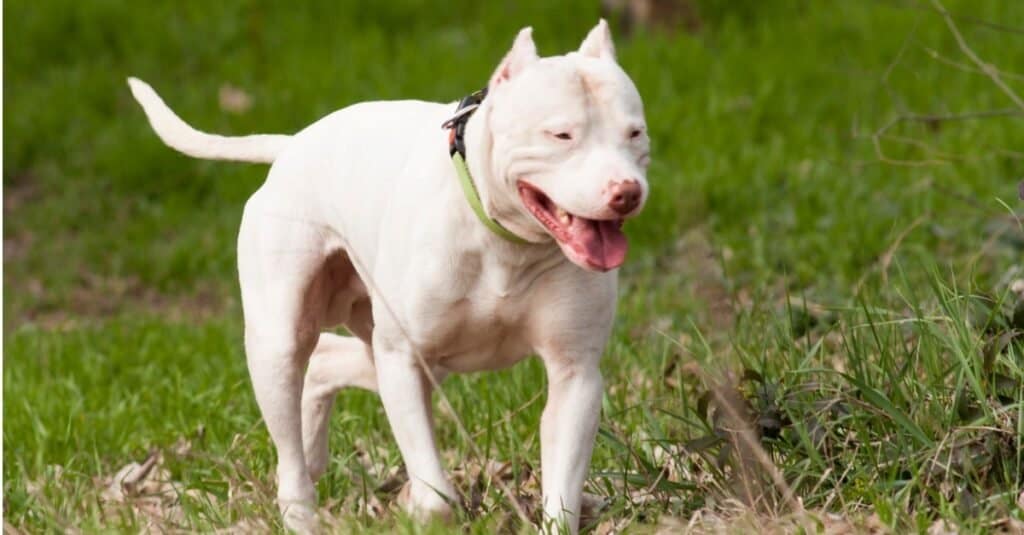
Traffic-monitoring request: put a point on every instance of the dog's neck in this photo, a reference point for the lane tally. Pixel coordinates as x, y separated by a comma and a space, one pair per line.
498, 199
510, 268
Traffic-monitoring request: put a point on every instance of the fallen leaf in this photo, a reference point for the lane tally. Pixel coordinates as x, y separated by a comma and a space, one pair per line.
941, 527
147, 489
126, 481
591, 506
233, 99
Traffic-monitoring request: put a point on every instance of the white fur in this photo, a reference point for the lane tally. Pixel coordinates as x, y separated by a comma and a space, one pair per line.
361, 223
180, 136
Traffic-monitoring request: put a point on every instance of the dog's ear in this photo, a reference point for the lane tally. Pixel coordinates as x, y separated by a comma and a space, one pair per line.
598, 43
523, 53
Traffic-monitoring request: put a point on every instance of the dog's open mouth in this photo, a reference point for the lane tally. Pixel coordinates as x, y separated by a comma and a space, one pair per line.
590, 243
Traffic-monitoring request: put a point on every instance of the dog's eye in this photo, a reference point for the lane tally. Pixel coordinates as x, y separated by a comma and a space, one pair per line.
564, 135
635, 133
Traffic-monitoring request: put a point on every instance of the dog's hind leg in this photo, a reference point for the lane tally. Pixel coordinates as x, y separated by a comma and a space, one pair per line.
337, 362
278, 261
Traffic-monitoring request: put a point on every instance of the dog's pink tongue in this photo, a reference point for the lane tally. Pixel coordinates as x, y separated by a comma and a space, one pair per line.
601, 243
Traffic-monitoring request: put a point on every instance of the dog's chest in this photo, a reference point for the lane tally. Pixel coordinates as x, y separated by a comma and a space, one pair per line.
478, 323
480, 333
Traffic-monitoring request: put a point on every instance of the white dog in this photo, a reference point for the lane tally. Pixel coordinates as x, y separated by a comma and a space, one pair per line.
368, 220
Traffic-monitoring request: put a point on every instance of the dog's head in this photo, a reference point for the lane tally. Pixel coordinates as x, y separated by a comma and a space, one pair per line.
570, 145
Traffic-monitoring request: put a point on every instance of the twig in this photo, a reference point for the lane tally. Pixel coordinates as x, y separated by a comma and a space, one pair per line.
933, 117
886, 257
745, 436
924, 147
878, 135
965, 67
513, 414
876, 142
966, 18
892, 65
987, 68
966, 199
1017, 155
989, 243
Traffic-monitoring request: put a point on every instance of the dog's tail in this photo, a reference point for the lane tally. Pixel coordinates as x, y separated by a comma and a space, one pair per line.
177, 134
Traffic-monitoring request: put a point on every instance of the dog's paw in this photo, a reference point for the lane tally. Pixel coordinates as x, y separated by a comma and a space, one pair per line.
300, 517
424, 503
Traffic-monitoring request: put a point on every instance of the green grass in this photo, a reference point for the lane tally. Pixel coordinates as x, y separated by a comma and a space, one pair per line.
860, 307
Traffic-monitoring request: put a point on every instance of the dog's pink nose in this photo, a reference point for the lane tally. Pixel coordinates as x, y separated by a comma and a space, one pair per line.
624, 197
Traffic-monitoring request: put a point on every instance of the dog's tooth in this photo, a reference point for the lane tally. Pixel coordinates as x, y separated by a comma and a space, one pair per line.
563, 216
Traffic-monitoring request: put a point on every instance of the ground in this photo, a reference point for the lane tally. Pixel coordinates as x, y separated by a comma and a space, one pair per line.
820, 319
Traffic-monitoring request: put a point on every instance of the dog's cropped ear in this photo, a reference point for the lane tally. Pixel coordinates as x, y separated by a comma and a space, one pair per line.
598, 43
523, 53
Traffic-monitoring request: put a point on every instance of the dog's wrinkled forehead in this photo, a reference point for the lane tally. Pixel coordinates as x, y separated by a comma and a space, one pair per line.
566, 85
557, 80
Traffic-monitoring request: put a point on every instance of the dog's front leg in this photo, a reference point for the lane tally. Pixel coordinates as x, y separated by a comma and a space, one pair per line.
568, 427
405, 391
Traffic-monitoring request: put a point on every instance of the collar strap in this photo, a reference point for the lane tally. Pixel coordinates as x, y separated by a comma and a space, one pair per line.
457, 124
457, 149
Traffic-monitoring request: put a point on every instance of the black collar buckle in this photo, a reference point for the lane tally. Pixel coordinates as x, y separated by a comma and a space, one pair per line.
457, 123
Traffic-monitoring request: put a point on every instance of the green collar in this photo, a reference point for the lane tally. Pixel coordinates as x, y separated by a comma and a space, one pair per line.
473, 197
457, 148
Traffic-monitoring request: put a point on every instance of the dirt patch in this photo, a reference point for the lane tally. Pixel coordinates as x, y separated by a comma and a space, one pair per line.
19, 190
16, 247
741, 520
700, 262
97, 298
35, 300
